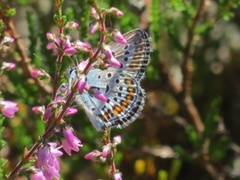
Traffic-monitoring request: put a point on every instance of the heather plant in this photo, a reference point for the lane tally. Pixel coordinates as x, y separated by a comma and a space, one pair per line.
189, 127
41, 160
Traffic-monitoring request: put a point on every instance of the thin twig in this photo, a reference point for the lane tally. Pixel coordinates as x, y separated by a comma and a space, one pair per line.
25, 62
187, 71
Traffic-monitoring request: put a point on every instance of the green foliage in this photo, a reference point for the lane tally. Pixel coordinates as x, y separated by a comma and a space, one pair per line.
172, 26
2, 144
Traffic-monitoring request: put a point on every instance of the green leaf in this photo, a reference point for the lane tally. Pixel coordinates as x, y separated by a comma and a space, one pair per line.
11, 12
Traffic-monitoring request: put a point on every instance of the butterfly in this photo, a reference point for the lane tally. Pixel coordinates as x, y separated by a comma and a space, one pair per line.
121, 85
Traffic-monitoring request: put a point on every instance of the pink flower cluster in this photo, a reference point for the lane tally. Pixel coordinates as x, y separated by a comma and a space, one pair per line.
8, 108
98, 156
48, 166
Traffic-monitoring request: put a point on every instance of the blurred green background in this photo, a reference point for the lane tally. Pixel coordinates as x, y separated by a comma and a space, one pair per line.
189, 128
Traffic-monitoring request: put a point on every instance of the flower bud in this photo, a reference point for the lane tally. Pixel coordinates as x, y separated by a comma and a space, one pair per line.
93, 156
118, 37
106, 151
38, 109
99, 95
117, 176
93, 11
111, 59
116, 11
81, 85
72, 25
8, 65
93, 27
71, 111
117, 140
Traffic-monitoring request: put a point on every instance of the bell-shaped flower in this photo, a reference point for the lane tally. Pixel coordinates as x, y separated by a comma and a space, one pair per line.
53, 45
70, 142
48, 162
37, 175
8, 108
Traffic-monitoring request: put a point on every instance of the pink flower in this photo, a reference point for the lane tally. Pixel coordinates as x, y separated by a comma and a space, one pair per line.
8, 108
82, 65
106, 150
116, 11
48, 162
37, 175
99, 95
67, 44
118, 37
7, 40
48, 113
111, 59
81, 85
71, 111
93, 156
60, 100
70, 142
50, 36
53, 46
70, 50
93, 27
117, 176
117, 140
40, 73
38, 109
93, 11
72, 25
54, 149
8, 65
36, 73
81, 45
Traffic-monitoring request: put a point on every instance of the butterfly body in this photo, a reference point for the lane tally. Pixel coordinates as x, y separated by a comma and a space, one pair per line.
121, 85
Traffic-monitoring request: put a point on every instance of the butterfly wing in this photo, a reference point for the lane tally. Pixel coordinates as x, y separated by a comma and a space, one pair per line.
120, 85
135, 55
